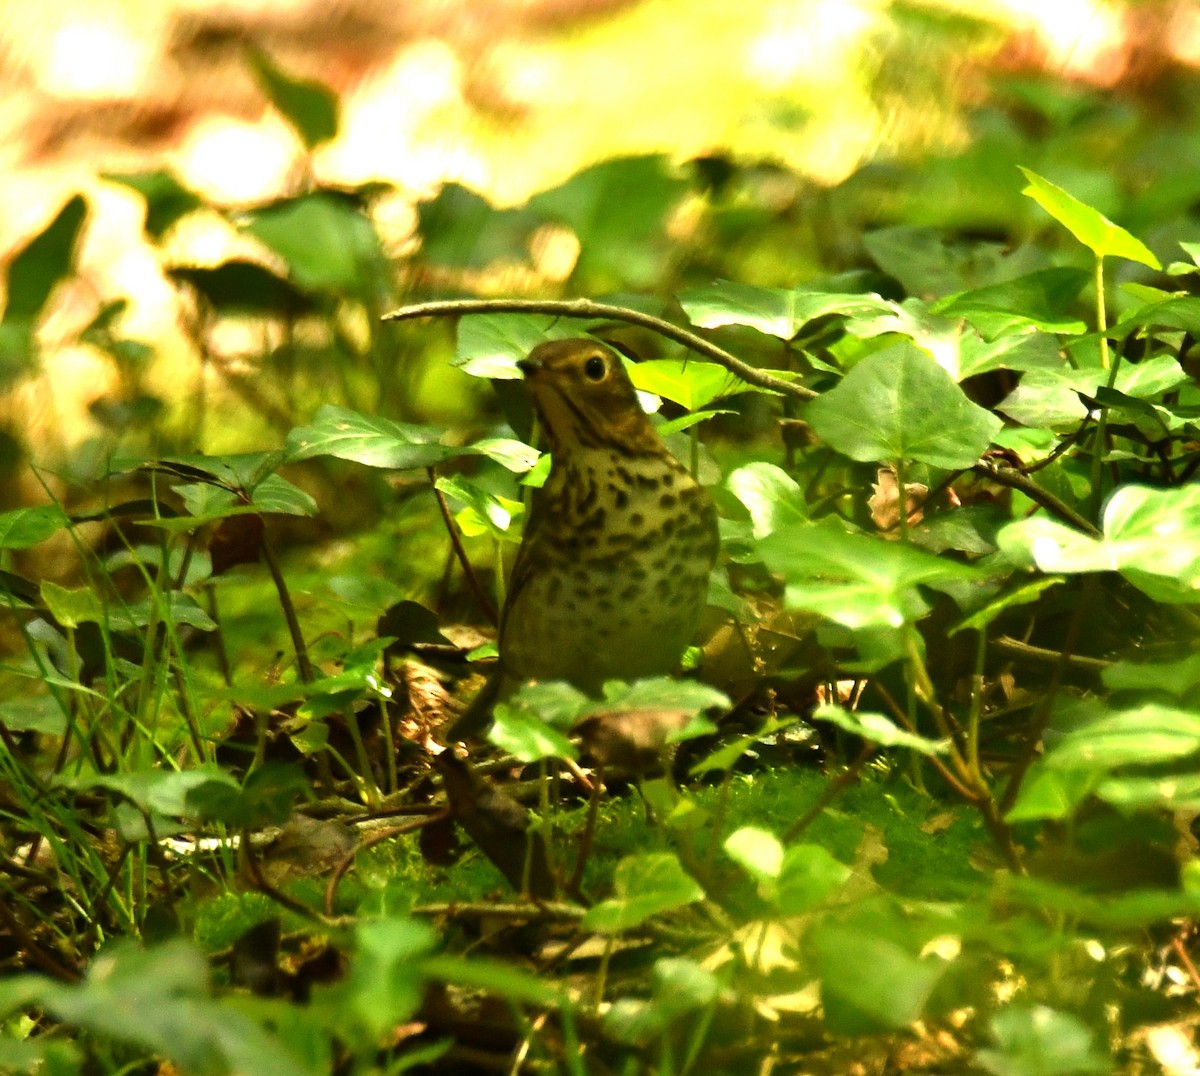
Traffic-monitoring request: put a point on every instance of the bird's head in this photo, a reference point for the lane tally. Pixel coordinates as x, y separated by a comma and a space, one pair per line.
584, 398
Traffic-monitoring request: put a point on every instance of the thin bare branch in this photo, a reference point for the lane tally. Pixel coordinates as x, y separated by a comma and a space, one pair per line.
586, 308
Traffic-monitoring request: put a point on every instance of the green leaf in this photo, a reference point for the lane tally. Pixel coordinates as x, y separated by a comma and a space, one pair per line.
661, 693
1142, 736
26, 527
386, 984
770, 494
779, 312
36, 713
898, 404
178, 609
927, 261
889, 992
727, 755
276, 494
241, 471
808, 876
689, 383
757, 851
1151, 536
1048, 793
158, 999
878, 729
72, 606
1173, 792
461, 229
367, 439
1094, 230
1022, 595
164, 792
310, 107
856, 580
1175, 678
489, 345
326, 241
45, 260
1033, 1040
513, 455
484, 512
618, 209
167, 200
1042, 300
241, 287
526, 736
645, 886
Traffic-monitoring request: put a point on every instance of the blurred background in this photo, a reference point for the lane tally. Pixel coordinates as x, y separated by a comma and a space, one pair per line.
205, 207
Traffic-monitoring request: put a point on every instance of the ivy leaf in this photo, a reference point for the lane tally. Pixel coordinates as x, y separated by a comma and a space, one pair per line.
367, 439
310, 107
879, 729
645, 886
779, 312
1034, 1040
770, 495
856, 580
326, 241
43, 262
167, 200
898, 404
1041, 300
1151, 536
25, 527
691, 384
1094, 230
520, 732
489, 345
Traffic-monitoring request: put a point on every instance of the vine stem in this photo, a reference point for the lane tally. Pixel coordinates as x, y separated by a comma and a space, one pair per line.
1101, 442
1014, 479
485, 603
586, 308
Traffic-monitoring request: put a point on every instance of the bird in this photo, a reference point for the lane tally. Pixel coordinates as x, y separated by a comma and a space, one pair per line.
612, 572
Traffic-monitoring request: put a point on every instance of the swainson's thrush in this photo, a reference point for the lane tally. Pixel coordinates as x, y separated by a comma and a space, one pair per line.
613, 568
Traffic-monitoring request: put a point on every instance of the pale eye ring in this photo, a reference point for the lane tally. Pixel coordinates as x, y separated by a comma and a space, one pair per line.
595, 369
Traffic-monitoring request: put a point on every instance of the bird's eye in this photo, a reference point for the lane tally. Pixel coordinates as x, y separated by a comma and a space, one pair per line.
594, 369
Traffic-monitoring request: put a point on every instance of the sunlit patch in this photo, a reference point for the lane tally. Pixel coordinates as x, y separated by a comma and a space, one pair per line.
1183, 39
234, 161
555, 250
97, 57
1046, 552
795, 36
1082, 37
407, 124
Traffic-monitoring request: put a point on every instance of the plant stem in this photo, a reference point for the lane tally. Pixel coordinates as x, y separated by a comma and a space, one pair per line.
289, 611
485, 603
1009, 476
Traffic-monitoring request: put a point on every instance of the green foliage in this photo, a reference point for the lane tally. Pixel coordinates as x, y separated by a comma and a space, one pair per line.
968, 572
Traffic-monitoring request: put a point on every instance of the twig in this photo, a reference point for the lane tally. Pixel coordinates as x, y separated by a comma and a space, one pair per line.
289, 612
545, 910
1041, 717
831, 792
259, 880
586, 308
375, 838
1017, 649
1008, 476
485, 602
969, 794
